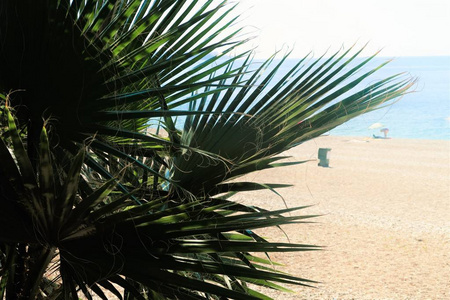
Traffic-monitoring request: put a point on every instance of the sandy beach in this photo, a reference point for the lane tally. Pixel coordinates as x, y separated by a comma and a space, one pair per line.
385, 207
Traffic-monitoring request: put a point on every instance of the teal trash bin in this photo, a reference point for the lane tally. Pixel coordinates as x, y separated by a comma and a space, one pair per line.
324, 161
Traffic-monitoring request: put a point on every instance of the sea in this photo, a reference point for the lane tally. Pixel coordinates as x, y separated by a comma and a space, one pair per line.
424, 113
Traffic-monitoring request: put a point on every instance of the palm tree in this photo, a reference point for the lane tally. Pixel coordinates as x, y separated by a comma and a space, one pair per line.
105, 238
92, 199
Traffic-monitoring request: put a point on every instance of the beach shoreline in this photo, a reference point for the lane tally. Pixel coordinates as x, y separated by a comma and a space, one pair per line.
385, 206
368, 137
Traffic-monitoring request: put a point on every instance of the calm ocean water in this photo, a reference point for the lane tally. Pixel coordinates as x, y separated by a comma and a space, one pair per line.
422, 114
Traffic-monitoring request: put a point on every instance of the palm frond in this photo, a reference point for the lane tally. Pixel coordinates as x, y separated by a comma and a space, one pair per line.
262, 119
77, 63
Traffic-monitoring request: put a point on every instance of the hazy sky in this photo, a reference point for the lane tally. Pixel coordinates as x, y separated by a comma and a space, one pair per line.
399, 27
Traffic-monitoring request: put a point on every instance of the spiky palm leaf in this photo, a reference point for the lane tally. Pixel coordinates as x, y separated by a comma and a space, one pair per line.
172, 249
262, 119
104, 68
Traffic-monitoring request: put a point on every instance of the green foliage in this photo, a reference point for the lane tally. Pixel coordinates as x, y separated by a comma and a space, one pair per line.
259, 120
164, 244
93, 198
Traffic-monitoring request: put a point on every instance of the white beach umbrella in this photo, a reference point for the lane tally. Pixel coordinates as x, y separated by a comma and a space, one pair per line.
376, 125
